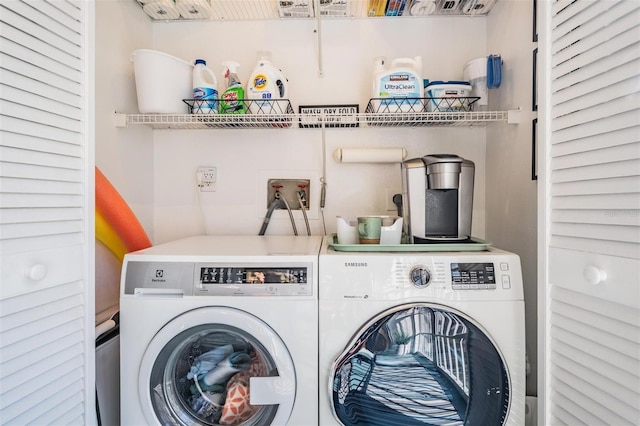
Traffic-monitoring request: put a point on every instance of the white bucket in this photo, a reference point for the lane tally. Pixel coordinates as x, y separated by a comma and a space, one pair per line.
475, 72
162, 82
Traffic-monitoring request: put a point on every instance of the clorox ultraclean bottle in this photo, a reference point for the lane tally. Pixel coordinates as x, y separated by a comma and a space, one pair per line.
266, 88
205, 89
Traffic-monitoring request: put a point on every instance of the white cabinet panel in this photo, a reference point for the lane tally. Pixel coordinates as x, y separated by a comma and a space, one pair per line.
592, 294
46, 214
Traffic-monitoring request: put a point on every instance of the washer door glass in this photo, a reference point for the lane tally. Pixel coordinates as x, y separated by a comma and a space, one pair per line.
217, 366
420, 364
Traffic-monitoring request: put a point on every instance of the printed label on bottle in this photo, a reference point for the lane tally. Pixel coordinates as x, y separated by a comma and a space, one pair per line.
204, 93
259, 82
400, 85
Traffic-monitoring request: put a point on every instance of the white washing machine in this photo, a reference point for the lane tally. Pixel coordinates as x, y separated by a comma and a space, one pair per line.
220, 330
421, 338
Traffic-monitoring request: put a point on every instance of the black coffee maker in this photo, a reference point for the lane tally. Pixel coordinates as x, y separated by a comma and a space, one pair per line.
437, 198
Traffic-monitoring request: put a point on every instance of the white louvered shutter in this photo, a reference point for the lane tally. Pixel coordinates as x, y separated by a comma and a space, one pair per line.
593, 305
46, 219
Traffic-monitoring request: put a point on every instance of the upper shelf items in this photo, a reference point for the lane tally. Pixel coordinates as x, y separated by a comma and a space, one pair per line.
235, 10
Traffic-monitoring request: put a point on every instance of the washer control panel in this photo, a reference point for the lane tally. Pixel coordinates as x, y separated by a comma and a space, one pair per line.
473, 276
461, 275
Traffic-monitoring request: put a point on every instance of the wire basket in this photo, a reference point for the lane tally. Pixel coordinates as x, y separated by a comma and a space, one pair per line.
416, 105
244, 113
417, 111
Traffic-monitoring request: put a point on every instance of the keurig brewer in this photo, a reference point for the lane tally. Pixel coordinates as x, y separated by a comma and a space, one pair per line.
437, 198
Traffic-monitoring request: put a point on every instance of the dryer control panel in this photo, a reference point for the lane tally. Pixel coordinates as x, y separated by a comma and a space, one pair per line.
253, 280
219, 279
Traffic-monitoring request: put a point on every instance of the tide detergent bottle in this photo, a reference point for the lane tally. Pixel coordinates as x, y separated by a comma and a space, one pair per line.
232, 101
267, 89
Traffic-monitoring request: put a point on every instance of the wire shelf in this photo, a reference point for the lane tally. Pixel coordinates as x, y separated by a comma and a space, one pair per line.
243, 10
249, 121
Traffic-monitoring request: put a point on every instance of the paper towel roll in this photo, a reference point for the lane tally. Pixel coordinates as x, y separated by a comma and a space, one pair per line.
370, 155
422, 7
194, 9
161, 9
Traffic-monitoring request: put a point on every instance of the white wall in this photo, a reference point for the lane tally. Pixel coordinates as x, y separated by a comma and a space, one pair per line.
125, 156
247, 158
511, 193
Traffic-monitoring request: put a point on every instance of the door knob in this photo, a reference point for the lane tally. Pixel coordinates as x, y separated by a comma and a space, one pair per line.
594, 275
36, 272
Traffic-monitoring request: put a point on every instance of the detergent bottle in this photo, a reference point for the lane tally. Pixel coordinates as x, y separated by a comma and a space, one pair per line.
398, 88
267, 88
205, 89
232, 101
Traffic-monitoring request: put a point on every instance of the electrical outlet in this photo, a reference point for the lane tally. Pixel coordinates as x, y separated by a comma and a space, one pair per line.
388, 198
206, 178
288, 189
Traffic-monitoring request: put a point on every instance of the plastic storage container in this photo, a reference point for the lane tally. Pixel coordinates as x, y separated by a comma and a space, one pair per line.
475, 72
448, 96
162, 82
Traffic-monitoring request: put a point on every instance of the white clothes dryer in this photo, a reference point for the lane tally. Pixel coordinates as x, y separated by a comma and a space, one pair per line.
421, 338
220, 330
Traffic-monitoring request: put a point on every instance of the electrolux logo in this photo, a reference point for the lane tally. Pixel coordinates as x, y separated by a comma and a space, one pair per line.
355, 264
159, 277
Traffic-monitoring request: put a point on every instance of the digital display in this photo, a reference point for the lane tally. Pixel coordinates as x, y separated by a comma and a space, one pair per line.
230, 275
472, 273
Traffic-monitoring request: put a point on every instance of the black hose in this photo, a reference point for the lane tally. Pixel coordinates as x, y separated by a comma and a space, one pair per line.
274, 204
293, 222
304, 212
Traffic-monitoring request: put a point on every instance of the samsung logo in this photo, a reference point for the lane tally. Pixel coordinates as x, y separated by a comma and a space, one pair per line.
355, 264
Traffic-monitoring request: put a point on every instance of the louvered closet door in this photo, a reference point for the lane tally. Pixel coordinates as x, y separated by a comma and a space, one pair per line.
46, 219
593, 373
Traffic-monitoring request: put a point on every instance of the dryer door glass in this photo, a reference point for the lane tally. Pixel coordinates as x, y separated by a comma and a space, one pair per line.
420, 364
203, 376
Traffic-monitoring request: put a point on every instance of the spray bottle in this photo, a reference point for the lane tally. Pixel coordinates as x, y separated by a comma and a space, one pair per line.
232, 101
205, 89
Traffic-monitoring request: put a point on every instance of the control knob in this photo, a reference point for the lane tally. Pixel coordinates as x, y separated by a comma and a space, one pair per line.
420, 276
